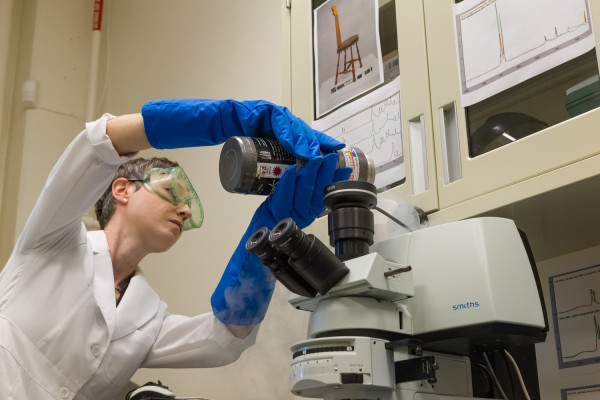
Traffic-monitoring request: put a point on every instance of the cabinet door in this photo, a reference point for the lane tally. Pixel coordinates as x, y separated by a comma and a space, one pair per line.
415, 102
463, 175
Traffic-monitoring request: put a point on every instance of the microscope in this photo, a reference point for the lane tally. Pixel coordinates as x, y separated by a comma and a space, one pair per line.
401, 319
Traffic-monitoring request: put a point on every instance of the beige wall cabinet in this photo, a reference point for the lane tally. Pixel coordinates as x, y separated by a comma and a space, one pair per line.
557, 146
414, 81
544, 181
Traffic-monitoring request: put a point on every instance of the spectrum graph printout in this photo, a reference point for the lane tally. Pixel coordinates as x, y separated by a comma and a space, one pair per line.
576, 315
372, 123
501, 43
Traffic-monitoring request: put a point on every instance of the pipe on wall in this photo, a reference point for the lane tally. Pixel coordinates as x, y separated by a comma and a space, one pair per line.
94, 59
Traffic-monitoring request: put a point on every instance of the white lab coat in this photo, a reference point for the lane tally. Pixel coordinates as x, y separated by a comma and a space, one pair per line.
61, 335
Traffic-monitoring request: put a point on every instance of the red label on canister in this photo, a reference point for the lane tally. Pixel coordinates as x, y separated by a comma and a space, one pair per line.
271, 162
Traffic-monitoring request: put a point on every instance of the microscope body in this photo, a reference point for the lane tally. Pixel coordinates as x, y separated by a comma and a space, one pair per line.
401, 318
402, 322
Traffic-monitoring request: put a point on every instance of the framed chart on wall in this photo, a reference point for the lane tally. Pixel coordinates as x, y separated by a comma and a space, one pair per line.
576, 316
568, 362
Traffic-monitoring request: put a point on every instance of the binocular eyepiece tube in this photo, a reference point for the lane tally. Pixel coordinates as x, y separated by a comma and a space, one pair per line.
259, 244
301, 262
308, 255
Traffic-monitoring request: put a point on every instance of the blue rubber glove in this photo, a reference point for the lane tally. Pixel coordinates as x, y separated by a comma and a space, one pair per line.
196, 122
244, 292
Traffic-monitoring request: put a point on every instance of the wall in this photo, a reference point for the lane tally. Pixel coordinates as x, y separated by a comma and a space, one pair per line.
59, 64
16, 41
6, 75
155, 49
227, 49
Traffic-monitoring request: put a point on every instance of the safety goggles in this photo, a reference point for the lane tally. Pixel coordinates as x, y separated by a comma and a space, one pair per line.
173, 185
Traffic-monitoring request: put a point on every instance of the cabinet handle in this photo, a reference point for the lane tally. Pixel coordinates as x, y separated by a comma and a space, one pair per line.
418, 154
450, 146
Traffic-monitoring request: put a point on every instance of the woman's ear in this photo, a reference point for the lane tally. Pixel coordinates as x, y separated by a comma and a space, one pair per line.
119, 190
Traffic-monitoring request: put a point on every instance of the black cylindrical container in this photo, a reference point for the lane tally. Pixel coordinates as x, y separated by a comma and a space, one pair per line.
252, 165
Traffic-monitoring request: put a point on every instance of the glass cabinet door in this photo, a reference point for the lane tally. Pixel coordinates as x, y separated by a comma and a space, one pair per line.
402, 32
535, 125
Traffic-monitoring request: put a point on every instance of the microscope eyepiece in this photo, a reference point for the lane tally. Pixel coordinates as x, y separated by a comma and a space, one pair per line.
258, 243
289, 239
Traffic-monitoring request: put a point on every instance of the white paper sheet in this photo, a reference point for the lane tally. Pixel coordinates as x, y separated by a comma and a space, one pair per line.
576, 314
372, 123
501, 43
356, 17
591, 392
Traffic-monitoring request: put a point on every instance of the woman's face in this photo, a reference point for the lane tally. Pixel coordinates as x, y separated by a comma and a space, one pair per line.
159, 222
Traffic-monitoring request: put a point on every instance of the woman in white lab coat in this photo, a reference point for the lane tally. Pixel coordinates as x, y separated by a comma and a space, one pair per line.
65, 330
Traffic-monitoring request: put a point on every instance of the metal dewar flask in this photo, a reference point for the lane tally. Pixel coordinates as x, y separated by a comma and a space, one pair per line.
252, 165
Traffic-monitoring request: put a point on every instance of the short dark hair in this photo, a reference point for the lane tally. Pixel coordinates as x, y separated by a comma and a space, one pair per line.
132, 169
